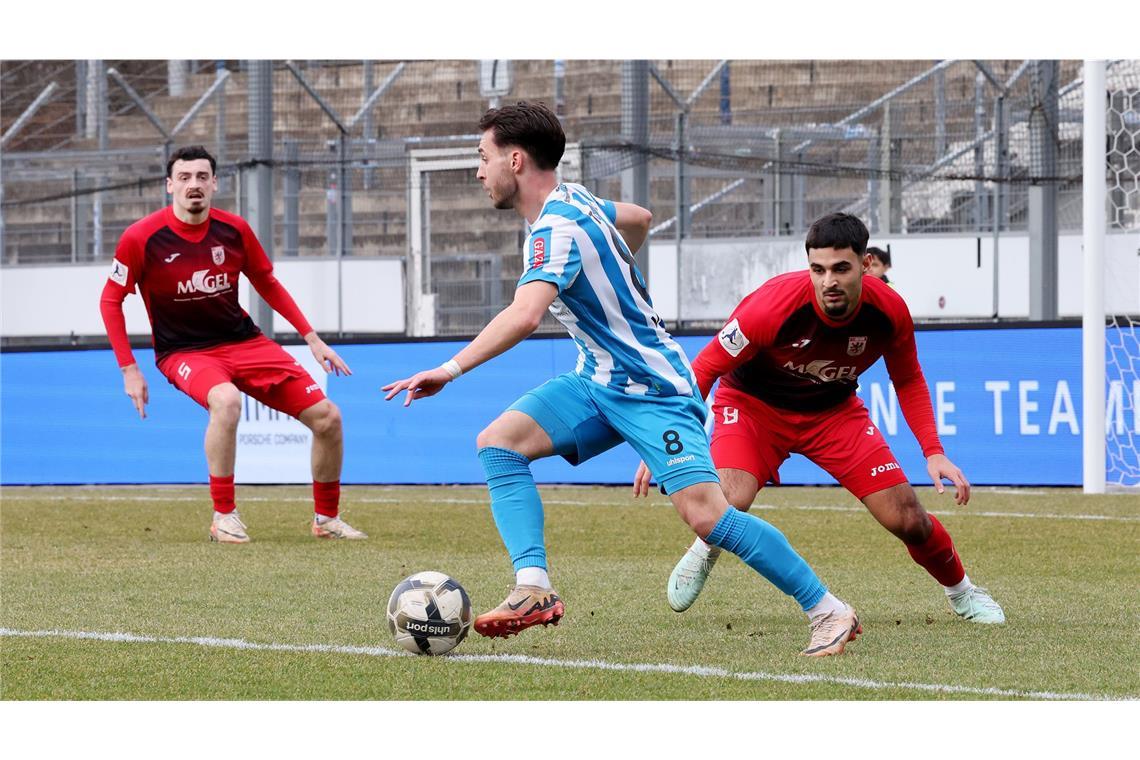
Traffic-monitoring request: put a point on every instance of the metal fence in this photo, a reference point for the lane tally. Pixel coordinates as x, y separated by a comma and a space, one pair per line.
716, 149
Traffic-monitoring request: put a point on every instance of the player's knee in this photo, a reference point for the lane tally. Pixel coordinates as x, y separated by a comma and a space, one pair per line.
918, 528
495, 435
702, 522
325, 420
739, 498
700, 510
914, 524
225, 404
485, 438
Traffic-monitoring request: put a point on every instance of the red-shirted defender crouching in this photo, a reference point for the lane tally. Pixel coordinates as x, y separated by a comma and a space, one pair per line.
185, 261
789, 361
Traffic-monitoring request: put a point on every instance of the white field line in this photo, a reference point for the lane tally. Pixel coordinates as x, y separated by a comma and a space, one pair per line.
349, 499
512, 659
1011, 491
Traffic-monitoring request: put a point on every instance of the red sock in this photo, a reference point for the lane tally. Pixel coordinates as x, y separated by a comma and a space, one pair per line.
938, 556
326, 498
222, 492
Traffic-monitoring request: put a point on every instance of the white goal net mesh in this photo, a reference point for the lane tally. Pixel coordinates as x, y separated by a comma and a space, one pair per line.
1122, 350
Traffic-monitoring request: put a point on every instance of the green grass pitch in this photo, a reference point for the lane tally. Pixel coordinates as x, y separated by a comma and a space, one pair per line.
137, 561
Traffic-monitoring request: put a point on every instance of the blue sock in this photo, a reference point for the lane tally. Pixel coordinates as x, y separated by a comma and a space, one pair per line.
765, 550
515, 505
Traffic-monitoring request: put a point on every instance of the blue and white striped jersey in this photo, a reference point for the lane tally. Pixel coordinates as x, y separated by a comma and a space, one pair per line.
602, 299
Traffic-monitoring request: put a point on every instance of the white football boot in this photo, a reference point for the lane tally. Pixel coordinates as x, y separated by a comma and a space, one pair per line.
690, 574
336, 528
228, 529
976, 605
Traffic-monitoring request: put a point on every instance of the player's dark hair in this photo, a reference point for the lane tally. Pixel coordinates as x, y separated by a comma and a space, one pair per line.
838, 231
530, 126
191, 153
883, 256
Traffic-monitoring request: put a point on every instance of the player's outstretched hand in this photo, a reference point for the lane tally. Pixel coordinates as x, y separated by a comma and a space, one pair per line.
135, 385
420, 385
641, 480
329, 360
940, 467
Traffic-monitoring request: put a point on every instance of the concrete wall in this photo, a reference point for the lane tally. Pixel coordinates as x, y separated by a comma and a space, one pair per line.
941, 277
61, 300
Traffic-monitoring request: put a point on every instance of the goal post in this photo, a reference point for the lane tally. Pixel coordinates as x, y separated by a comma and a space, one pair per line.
1111, 269
1093, 322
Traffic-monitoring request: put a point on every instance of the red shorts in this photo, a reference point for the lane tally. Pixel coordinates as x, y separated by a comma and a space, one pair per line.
755, 437
258, 367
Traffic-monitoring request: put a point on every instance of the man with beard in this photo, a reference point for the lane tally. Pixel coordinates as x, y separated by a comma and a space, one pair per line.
185, 260
632, 383
789, 361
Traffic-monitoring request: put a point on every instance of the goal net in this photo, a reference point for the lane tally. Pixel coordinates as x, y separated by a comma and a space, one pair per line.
1122, 280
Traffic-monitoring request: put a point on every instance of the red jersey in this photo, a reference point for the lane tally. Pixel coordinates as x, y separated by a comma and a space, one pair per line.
780, 347
187, 275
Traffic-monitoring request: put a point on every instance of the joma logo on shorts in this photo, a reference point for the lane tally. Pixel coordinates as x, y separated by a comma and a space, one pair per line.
313, 387
884, 468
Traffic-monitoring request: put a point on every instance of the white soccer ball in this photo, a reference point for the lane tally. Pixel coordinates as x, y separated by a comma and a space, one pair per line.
429, 613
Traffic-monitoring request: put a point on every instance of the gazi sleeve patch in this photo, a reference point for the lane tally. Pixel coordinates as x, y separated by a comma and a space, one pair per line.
118, 273
551, 256
732, 338
538, 249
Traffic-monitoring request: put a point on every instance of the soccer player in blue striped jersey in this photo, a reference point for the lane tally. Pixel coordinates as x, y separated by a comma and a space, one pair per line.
632, 382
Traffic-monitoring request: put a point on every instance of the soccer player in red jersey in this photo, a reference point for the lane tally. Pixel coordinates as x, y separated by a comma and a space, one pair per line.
185, 261
789, 361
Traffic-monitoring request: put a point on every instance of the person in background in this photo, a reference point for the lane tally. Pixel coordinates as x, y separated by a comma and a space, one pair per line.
880, 263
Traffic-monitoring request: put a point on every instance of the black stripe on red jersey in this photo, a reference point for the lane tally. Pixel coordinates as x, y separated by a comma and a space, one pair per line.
812, 366
191, 295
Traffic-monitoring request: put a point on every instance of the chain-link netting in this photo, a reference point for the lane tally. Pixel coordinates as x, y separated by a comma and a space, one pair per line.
715, 149
1122, 355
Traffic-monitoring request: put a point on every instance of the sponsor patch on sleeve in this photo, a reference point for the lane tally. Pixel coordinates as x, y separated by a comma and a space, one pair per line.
539, 250
118, 272
732, 338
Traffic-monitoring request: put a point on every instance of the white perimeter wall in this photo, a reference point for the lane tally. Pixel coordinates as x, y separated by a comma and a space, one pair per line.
61, 300
939, 276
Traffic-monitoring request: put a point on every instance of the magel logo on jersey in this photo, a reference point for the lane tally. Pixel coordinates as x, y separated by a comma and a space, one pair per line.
204, 282
219, 254
119, 272
822, 369
856, 345
732, 338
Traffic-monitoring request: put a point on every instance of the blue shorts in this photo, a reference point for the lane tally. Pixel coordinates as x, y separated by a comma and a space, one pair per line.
584, 419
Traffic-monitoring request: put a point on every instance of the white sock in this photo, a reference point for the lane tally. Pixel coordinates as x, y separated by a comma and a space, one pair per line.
533, 576
963, 585
829, 603
704, 550
322, 519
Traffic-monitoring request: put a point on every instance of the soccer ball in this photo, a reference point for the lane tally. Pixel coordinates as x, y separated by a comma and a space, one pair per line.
429, 613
